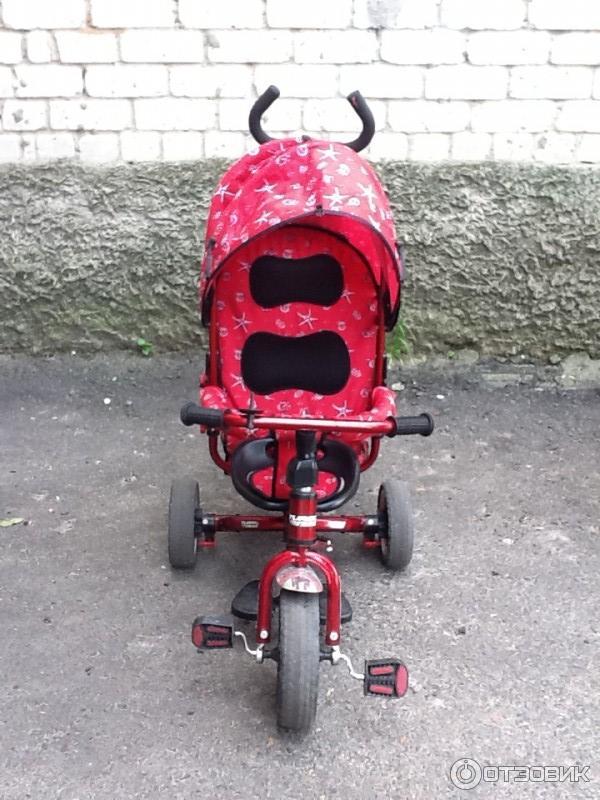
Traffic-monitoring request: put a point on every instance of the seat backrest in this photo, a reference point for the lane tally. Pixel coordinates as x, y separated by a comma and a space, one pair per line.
296, 312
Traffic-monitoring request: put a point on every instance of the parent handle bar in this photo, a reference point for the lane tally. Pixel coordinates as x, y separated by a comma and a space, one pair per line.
356, 100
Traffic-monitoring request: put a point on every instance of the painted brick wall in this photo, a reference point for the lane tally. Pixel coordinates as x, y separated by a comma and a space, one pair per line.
125, 80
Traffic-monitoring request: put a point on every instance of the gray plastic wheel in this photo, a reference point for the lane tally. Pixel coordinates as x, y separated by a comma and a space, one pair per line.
183, 502
396, 525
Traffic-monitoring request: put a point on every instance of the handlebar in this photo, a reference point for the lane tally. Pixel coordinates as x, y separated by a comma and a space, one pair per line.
422, 425
192, 414
213, 418
356, 100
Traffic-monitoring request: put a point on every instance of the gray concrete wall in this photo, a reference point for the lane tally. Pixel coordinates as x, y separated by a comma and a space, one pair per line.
502, 258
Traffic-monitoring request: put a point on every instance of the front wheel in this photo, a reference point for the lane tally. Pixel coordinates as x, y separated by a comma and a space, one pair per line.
299, 656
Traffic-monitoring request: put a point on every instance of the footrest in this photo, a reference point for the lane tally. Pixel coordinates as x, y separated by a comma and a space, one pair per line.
213, 632
386, 677
245, 604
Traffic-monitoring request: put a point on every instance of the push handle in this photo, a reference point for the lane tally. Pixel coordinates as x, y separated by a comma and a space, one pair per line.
359, 104
356, 100
193, 414
266, 99
406, 426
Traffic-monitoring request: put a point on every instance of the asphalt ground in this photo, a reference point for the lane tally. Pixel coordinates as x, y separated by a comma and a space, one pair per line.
103, 695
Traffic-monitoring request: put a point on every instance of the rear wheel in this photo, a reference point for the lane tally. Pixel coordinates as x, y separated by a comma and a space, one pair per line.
396, 525
183, 503
299, 656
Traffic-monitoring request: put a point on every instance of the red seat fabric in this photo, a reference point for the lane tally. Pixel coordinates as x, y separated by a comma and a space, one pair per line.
354, 316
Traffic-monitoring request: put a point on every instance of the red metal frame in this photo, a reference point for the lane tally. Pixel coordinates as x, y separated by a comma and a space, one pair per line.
301, 534
373, 453
299, 538
245, 523
213, 448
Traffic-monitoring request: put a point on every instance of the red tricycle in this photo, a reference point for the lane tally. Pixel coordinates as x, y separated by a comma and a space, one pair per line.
301, 279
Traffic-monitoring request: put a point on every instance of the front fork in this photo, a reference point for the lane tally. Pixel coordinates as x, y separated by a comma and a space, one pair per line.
294, 567
299, 558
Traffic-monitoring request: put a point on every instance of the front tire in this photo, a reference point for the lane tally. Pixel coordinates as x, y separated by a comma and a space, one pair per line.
183, 503
299, 657
396, 525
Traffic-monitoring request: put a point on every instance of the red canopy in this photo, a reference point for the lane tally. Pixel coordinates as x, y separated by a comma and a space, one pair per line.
314, 182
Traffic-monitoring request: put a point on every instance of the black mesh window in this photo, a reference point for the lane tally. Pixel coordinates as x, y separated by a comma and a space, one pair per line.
317, 363
276, 281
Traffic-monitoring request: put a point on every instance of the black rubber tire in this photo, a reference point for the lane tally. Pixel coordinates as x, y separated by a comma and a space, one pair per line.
396, 525
183, 502
299, 656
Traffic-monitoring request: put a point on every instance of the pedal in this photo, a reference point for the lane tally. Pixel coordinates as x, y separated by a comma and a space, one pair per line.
386, 677
213, 632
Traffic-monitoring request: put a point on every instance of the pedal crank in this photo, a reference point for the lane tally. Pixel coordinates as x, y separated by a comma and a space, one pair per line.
258, 654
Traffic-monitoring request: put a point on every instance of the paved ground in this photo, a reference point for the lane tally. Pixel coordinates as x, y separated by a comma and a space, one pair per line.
103, 695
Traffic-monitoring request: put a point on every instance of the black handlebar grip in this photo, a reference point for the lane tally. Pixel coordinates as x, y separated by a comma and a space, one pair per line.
405, 426
266, 99
359, 104
193, 414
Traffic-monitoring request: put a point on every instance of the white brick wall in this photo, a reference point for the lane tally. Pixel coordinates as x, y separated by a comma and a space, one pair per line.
11, 48
31, 14
127, 80
91, 47
423, 47
502, 15
131, 13
576, 48
130, 80
40, 47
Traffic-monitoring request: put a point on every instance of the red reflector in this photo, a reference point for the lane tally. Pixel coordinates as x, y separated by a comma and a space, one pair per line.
370, 545
197, 635
379, 689
401, 682
217, 643
388, 669
217, 629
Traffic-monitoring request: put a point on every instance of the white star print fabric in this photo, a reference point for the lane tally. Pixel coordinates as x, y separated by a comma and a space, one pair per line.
294, 199
329, 183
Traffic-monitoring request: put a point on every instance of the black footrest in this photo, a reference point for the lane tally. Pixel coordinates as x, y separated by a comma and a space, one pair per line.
213, 632
245, 604
386, 677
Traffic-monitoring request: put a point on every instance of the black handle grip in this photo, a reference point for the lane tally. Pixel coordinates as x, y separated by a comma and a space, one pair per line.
359, 104
406, 426
266, 99
193, 414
